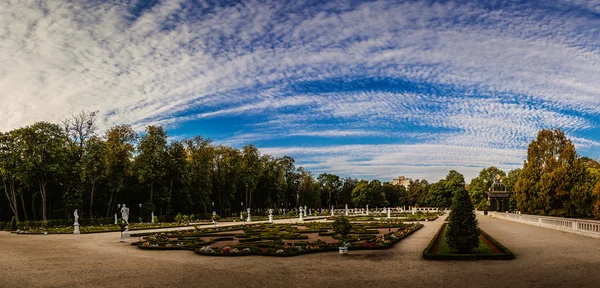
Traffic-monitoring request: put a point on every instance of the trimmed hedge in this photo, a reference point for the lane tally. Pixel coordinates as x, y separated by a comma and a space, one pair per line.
59, 223
428, 254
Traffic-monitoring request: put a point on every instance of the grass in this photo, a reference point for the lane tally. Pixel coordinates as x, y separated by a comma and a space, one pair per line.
483, 248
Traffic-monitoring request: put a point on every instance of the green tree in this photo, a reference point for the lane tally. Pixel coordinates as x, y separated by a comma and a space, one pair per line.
462, 235
93, 167
44, 156
201, 162
345, 194
330, 185
392, 193
552, 170
79, 129
417, 192
480, 186
117, 160
150, 161
10, 168
176, 178
509, 182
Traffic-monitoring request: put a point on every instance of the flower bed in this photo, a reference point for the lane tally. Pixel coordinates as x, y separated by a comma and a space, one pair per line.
268, 240
489, 249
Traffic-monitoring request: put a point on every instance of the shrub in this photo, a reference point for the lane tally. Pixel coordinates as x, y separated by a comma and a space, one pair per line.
156, 219
463, 234
342, 226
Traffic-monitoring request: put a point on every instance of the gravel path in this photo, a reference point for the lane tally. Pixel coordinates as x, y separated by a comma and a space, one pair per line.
545, 258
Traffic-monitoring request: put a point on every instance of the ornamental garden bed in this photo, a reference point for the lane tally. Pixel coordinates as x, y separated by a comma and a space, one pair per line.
489, 249
96, 229
404, 217
277, 239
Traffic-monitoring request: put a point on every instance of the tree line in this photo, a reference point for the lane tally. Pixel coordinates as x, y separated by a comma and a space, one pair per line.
48, 170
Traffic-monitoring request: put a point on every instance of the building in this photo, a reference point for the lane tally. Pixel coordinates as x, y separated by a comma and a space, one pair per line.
402, 181
498, 198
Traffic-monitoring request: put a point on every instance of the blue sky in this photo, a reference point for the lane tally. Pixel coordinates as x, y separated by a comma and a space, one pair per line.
368, 89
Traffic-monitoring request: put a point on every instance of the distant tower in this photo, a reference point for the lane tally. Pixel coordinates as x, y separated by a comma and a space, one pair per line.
401, 180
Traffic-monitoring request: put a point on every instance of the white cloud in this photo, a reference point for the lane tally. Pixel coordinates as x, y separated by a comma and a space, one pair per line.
495, 75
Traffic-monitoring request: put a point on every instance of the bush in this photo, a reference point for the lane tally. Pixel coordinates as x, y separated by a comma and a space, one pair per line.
342, 226
463, 233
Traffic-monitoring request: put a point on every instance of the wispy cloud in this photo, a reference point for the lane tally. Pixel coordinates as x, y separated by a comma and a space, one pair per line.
467, 75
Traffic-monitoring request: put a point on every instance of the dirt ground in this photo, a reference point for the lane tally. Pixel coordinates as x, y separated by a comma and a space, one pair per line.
545, 258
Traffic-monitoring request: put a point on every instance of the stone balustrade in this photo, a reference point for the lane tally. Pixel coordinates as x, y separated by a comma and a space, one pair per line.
376, 210
577, 226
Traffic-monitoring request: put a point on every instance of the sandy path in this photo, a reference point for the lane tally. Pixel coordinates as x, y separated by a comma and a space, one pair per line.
546, 258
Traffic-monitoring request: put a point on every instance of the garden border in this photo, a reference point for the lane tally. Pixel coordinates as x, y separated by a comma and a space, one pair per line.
428, 255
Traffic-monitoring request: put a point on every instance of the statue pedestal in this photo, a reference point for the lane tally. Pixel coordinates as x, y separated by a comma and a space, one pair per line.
126, 232
271, 218
76, 231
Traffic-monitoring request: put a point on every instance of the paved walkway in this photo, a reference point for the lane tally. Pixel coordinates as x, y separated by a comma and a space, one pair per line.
545, 258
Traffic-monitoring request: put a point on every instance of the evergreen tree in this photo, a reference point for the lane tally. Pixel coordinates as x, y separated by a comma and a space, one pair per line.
462, 235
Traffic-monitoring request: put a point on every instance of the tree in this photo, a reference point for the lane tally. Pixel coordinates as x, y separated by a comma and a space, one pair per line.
176, 178
117, 160
366, 193
93, 167
250, 170
79, 129
480, 185
150, 162
596, 193
552, 170
330, 185
342, 226
462, 235
478, 191
44, 156
417, 192
392, 193
509, 182
201, 162
10, 163
345, 194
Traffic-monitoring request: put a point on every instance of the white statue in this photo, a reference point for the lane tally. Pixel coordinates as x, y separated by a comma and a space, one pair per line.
115, 218
346, 209
125, 213
76, 217
249, 218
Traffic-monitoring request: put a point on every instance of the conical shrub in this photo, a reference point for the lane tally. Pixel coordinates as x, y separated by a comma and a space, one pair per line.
462, 235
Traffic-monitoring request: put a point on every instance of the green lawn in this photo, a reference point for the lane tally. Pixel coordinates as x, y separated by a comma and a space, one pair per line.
445, 249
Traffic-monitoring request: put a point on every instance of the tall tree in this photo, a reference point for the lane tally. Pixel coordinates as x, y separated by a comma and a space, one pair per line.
93, 167
462, 235
201, 163
10, 166
251, 170
44, 156
119, 151
150, 162
330, 185
509, 181
552, 170
79, 129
